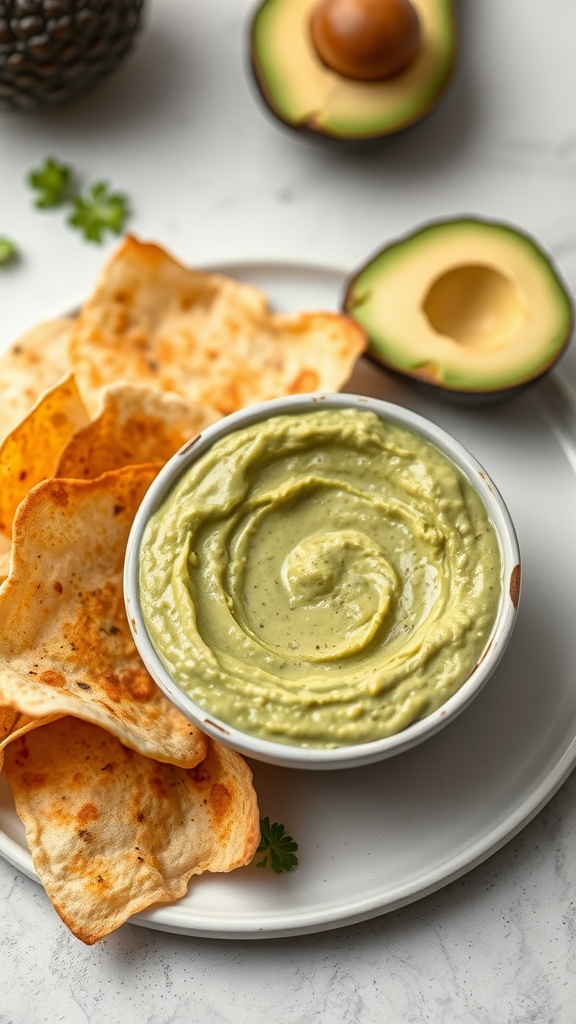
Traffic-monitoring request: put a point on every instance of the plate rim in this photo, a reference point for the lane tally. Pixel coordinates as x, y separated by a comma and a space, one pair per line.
173, 918
168, 917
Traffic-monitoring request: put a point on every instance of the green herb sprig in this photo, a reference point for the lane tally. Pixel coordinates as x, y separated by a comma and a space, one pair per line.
51, 181
8, 251
101, 210
98, 211
278, 847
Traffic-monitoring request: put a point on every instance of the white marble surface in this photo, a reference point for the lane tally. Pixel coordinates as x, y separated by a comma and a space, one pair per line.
213, 177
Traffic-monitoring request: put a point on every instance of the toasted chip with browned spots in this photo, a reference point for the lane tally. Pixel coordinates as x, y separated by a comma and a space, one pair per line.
14, 724
33, 363
5, 549
205, 336
111, 831
65, 644
30, 452
135, 424
8, 718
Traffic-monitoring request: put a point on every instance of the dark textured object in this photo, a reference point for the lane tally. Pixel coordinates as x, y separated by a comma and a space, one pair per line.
53, 50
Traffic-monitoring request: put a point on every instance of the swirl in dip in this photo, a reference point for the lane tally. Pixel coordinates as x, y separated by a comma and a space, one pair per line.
322, 578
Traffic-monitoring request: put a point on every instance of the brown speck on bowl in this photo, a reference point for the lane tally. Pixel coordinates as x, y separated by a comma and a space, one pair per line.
515, 585
190, 444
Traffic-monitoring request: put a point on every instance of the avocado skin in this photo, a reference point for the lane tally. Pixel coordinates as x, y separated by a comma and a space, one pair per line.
469, 396
341, 143
54, 50
316, 132
457, 396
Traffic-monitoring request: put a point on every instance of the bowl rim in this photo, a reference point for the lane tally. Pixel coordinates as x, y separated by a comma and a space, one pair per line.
349, 755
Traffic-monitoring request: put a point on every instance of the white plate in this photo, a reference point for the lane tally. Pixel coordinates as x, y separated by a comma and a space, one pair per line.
373, 839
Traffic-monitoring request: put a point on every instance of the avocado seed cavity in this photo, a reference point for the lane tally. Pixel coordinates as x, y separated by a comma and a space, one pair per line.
476, 306
366, 40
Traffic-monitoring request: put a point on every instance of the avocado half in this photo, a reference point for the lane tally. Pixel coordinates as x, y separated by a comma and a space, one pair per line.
469, 307
307, 95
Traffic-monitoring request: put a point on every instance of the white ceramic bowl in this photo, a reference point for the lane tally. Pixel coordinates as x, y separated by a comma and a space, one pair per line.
356, 754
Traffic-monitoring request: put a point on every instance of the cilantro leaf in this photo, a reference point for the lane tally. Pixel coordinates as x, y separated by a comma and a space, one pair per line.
8, 251
102, 210
278, 847
51, 181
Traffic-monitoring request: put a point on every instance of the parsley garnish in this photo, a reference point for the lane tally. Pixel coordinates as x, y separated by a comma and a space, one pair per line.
93, 214
100, 211
8, 251
51, 181
278, 847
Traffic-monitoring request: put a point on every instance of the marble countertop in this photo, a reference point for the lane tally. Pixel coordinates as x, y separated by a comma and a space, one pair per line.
212, 176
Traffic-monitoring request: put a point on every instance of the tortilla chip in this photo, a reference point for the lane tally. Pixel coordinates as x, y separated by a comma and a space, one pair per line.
111, 832
5, 549
31, 450
136, 424
33, 363
8, 717
13, 724
205, 336
65, 644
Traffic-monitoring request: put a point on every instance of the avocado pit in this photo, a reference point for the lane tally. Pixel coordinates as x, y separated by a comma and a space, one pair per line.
352, 69
475, 305
366, 40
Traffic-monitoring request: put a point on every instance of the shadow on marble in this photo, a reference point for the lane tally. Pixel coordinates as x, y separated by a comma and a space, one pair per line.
156, 72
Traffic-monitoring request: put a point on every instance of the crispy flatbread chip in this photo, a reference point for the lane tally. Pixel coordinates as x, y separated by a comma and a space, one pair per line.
8, 718
32, 363
136, 424
111, 831
5, 549
30, 452
14, 724
205, 336
65, 644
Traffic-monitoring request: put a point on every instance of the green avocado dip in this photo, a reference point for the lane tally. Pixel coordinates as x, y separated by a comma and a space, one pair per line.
322, 578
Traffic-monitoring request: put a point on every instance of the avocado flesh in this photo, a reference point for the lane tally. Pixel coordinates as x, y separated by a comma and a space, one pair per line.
304, 93
466, 305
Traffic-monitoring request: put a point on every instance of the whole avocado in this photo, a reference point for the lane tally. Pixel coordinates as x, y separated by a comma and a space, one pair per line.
54, 50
